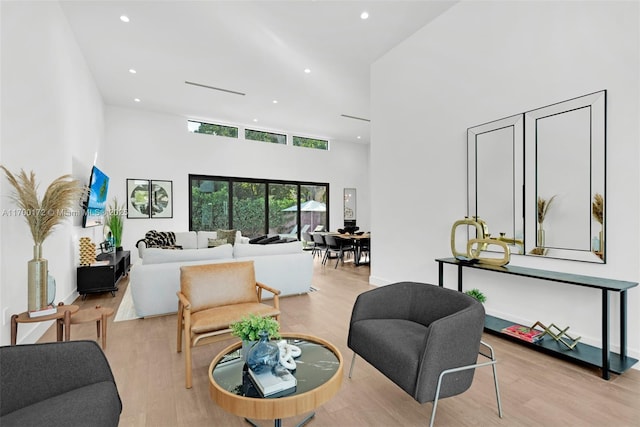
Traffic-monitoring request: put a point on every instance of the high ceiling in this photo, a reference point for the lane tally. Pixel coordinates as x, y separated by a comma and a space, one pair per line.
258, 48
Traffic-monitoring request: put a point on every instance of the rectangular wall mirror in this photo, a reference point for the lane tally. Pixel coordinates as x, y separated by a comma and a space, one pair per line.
565, 146
349, 204
538, 179
495, 178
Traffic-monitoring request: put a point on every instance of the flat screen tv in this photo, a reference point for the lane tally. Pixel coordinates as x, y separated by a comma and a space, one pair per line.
96, 203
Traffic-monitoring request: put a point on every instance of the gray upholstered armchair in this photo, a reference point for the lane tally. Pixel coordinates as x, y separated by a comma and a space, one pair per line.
57, 384
424, 338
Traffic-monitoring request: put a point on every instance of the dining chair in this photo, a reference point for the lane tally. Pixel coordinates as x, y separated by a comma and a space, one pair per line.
319, 245
337, 246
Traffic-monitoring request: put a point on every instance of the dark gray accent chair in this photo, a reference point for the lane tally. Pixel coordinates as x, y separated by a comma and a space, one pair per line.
424, 338
57, 384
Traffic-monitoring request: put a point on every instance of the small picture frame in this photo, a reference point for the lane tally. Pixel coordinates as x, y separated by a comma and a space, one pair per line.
138, 198
161, 199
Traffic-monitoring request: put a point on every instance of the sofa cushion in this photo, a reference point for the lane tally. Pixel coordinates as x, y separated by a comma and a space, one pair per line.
240, 251
204, 237
157, 256
214, 243
230, 235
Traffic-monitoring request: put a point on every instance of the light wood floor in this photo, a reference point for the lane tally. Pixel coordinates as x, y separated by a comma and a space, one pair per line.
536, 389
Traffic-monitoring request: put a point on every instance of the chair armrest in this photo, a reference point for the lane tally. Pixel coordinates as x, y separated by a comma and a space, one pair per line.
275, 292
183, 300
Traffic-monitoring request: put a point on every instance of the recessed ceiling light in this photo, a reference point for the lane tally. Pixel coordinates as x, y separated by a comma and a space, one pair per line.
255, 120
358, 137
132, 71
124, 18
136, 99
307, 70
275, 101
364, 15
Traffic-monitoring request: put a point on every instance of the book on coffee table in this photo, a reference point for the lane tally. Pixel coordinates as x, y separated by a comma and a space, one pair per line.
270, 383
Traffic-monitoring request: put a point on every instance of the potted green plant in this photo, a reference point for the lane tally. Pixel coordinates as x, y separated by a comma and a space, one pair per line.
114, 219
248, 330
477, 294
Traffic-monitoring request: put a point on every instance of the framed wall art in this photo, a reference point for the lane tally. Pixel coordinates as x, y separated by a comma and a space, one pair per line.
161, 199
138, 198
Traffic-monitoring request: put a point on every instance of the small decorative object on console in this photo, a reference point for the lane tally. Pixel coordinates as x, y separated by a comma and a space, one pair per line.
476, 246
551, 331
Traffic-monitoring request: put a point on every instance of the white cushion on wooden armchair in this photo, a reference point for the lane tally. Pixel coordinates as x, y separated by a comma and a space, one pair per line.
212, 296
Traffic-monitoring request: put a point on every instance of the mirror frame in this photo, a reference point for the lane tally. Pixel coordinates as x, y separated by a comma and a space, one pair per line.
595, 103
516, 125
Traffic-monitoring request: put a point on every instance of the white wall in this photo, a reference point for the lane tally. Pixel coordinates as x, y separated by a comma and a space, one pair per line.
52, 123
148, 145
481, 61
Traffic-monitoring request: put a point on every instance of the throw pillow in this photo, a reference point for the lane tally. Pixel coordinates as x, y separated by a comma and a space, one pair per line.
257, 239
214, 243
157, 239
230, 235
269, 240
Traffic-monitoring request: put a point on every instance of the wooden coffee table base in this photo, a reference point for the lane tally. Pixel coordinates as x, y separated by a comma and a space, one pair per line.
278, 408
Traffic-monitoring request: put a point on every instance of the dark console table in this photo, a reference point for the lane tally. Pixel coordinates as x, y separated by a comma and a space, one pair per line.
582, 353
103, 278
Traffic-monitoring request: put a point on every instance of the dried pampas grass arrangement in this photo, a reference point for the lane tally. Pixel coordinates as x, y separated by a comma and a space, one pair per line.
543, 208
597, 207
43, 215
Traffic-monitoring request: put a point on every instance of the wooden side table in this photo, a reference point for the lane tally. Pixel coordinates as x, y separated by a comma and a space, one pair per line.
96, 314
62, 316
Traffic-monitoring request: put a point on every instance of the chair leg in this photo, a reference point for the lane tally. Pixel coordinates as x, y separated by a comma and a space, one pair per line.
353, 362
492, 363
187, 364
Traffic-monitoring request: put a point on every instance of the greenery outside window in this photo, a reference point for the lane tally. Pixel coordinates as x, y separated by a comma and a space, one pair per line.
257, 206
212, 129
320, 144
258, 135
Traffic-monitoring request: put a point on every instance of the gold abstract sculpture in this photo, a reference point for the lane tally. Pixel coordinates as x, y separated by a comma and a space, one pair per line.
480, 244
476, 246
557, 334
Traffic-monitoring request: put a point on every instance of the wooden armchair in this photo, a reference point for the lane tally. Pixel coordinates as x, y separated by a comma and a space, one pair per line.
212, 296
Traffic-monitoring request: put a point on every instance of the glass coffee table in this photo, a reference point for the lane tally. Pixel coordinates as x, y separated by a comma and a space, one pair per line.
318, 372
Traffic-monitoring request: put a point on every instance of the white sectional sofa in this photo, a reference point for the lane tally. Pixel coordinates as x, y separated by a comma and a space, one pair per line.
155, 278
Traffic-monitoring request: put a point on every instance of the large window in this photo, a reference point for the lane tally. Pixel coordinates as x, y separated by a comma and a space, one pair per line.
257, 206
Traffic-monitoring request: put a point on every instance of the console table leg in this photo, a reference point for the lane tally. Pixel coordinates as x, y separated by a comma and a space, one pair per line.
605, 334
623, 324
459, 278
440, 274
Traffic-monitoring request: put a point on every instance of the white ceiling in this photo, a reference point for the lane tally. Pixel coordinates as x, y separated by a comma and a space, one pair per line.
259, 48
